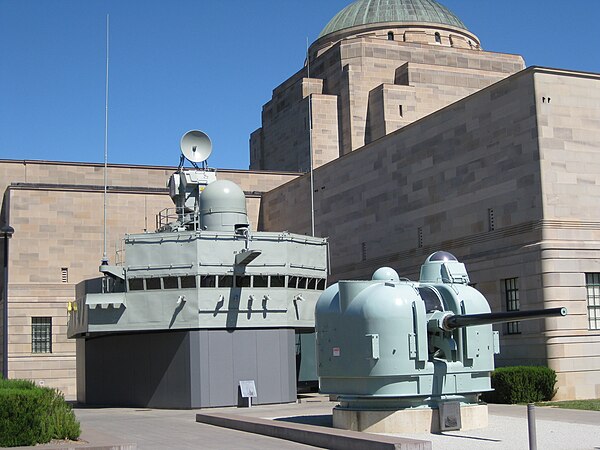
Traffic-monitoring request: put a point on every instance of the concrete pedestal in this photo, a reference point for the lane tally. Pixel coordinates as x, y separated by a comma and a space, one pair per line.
413, 420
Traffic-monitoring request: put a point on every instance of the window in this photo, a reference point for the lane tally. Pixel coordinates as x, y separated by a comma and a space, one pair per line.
321, 284
438, 38
592, 282
152, 284
208, 281
260, 281
292, 282
312, 284
170, 282
390, 36
188, 282
511, 293
302, 282
225, 281
41, 335
64, 274
277, 280
401, 110
136, 284
451, 42
242, 281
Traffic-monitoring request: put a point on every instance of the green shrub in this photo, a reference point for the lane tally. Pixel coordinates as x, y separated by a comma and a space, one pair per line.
522, 384
17, 384
24, 417
30, 415
62, 420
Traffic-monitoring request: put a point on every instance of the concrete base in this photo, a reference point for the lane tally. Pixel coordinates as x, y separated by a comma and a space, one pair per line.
415, 420
315, 436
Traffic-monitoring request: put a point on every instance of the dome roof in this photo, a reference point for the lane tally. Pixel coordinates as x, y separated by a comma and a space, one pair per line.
363, 12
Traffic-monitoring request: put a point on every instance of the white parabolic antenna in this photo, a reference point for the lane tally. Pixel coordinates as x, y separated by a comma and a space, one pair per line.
196, 146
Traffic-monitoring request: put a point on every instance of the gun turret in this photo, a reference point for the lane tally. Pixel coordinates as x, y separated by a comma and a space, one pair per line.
390, 343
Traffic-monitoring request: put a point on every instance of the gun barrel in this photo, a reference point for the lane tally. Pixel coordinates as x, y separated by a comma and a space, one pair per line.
458, 321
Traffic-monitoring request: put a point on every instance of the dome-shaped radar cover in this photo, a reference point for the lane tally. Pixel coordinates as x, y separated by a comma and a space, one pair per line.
441, 256
385, 274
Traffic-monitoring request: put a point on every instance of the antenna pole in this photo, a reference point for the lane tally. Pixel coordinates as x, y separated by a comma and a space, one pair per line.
310, 149
104, 256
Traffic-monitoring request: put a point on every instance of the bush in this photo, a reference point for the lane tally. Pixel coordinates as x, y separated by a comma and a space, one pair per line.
32, 415
523, 384
16, 384
62, 421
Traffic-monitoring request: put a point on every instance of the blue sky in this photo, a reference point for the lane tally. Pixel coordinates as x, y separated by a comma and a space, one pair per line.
211, 65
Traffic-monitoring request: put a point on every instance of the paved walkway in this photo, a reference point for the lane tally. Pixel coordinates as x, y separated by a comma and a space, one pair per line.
167, 429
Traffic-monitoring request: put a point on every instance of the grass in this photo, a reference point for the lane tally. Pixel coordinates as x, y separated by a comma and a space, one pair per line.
588, 405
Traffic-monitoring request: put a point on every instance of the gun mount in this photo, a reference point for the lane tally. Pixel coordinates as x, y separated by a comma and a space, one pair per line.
390, 344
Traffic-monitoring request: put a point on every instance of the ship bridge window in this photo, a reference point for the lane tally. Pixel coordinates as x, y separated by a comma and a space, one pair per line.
261, 281
152, 284
208, 281
321, 284
277, 281
431, 299
302, 282
243, 281
136, 284
225, 281
312, 283
292, 282
188, 282
171, 282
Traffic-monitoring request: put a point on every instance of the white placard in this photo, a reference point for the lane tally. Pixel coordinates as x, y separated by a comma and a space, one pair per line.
248, 388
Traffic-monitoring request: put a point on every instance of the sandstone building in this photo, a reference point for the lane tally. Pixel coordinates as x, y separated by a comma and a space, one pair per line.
420, 140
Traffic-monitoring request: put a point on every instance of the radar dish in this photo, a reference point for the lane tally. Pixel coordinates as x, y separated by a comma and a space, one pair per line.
196, 146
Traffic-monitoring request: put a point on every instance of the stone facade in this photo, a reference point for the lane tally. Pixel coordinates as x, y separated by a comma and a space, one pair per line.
57, 213
365, 86
504, 179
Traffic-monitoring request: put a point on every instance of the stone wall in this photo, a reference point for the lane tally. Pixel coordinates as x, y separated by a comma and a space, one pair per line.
377, 87
485, 178
568, 111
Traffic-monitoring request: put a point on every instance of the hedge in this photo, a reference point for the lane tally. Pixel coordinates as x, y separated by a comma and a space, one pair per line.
32, 415
522, 384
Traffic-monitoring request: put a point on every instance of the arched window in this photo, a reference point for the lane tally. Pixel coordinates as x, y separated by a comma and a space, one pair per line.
390, 36
451, 42
438, 38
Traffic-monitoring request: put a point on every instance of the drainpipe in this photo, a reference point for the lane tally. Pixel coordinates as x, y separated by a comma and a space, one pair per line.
7, 231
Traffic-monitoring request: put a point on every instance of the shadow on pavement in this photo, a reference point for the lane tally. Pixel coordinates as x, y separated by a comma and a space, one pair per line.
324, 420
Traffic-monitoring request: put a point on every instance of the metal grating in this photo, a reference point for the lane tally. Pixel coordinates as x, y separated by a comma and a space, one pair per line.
41, 335
511, 292
592, 282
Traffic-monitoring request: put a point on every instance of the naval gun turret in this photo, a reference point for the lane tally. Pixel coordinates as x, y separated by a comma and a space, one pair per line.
199, 305
405, 356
